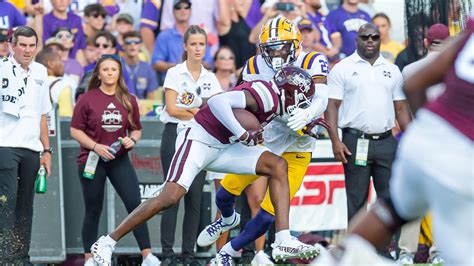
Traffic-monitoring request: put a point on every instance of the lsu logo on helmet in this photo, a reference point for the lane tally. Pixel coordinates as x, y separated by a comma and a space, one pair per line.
279, 42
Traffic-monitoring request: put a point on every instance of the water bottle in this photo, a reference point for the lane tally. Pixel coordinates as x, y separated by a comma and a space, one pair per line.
115, 147
40, 182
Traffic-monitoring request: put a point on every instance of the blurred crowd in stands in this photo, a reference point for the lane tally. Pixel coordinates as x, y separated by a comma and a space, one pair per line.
148, 36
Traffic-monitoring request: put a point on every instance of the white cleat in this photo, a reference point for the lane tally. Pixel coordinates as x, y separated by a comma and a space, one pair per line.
151, 260
102, 250
222, 259
261, 258
90, 262
294, 249
212, 232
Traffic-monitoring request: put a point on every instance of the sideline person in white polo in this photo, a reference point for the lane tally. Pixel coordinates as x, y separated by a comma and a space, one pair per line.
188, 76
365, 97
24, 104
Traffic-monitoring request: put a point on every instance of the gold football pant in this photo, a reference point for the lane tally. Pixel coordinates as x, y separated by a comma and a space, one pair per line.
297, 164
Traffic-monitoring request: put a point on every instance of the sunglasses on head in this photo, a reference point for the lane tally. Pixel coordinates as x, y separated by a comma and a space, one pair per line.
102, 45
130, 42
65, 36
97, 15
111, 56
374, 37
180, 7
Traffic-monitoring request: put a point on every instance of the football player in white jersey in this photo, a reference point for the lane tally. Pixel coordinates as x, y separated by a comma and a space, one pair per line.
280, 46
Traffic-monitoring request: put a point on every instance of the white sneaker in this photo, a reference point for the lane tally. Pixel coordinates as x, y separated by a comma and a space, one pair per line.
261, 258
90, 262
102, 250
406, 258
212, 232
222, 259
294, 248
436, 259
151, 260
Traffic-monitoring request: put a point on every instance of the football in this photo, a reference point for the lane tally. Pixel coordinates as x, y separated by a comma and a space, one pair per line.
247, 119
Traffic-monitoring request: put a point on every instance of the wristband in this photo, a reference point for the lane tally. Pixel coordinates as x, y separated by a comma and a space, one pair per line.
134, 141
93, 148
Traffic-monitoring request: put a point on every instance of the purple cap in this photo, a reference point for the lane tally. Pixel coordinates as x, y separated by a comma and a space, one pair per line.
437, 33
305, 24
177, 2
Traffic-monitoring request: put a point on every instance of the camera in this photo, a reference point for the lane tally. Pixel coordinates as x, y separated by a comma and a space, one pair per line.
285, 6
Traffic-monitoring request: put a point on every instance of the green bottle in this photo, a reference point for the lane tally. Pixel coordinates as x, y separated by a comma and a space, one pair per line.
40, 182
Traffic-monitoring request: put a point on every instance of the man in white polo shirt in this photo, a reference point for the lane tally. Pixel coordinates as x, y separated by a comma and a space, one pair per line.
24, 104
365, 97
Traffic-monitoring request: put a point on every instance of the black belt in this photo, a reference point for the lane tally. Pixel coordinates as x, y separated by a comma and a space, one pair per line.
359, 133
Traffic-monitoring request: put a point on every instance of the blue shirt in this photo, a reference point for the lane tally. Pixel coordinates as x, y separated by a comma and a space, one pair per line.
169, 48
142, 78
10, 17
347, 24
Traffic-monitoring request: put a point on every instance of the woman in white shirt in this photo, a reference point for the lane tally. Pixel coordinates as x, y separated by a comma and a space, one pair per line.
190, 75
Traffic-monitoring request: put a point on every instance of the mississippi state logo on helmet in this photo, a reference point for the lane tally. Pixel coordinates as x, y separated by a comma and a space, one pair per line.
296, 88
279, 42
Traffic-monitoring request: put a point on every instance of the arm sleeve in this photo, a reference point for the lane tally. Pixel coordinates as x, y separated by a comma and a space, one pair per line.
397, 91
336, 83
171, 80
150, 15
316, 64
221, 107
159, 52
320, 100
80, 113
45, 98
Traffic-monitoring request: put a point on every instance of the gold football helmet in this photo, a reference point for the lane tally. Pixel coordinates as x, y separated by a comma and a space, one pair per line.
279, 42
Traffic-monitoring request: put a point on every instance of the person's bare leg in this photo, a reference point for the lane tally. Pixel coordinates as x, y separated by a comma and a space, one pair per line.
276, 168
369, 226
171, 194
255, 194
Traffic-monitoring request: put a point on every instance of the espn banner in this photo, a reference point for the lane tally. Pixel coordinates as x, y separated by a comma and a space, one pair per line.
320, 204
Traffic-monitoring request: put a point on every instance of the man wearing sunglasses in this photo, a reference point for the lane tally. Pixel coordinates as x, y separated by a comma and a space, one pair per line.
94, 19
141, 74
61, 17
365, 97
4, 49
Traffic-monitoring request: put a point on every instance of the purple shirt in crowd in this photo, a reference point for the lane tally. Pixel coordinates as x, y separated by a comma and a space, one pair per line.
347, 24
71, 66
254, 15
142, 78
104, 119
73, 22
150, 15
325, 29
10, 17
